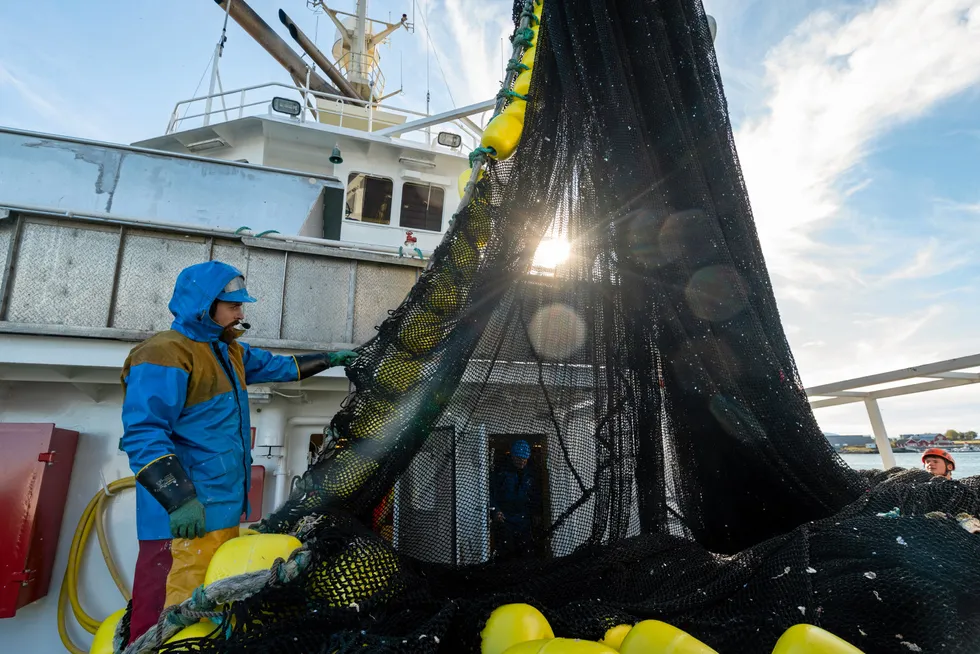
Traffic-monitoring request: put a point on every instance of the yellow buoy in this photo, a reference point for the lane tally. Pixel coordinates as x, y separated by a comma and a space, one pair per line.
249, 554
419, 332
102, 643
523, 82
197, 630
808, 639
397, 374
534, 39
516, 108
502, 134
528, 57
463, 258
512, 624
355, 575
464, 178
371, 418
479, 228
656, 636
560, 646
615, 635
445, 297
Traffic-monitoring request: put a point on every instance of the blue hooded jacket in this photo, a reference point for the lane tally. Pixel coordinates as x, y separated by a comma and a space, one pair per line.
184, 395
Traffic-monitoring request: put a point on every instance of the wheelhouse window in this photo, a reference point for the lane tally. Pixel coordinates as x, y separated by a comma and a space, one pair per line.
369, 199
422, 206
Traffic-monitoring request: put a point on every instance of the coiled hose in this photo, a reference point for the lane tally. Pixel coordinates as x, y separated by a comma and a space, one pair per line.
92, 515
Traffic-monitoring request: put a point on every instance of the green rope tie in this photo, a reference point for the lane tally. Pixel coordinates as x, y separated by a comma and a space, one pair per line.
516, 66
242, 229
529, 14
523, 37
512, 95
479, 154
268, 231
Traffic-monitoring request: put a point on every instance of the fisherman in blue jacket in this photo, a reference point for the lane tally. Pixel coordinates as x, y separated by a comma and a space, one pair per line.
513, 499
187, 434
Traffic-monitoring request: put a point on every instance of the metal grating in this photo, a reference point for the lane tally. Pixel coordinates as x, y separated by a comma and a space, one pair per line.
316, 298
84, 277
378, 289
149, 267
61, 277
264, 275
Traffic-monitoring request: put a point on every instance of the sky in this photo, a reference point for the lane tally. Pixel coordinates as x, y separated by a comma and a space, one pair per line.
857, 124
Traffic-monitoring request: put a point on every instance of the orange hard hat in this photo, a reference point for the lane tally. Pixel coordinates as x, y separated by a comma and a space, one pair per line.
942, 454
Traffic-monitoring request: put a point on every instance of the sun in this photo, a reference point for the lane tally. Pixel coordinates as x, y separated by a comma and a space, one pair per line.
551, 253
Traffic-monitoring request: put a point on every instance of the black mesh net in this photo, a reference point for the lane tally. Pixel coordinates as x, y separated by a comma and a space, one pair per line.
604, 298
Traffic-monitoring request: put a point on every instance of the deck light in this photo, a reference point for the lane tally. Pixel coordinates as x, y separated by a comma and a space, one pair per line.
286, 106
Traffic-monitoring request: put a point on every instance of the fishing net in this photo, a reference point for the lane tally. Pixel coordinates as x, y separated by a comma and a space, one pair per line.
603, 296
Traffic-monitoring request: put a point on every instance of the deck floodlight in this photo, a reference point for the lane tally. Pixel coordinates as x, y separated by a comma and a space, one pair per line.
449, 139
286, 106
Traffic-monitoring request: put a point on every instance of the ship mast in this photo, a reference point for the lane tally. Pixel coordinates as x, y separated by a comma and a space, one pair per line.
356, 51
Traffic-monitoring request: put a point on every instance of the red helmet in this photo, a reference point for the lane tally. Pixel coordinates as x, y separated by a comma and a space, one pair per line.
942, 454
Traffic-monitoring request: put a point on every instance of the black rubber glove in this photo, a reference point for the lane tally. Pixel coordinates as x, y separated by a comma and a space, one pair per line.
311, 364
169, 485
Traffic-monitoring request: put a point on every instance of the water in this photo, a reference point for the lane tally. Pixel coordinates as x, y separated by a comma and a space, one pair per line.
967, 463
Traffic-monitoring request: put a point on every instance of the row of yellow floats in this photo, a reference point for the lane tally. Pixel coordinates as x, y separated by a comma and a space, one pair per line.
510, 629
420, 332
503, 133
522, 629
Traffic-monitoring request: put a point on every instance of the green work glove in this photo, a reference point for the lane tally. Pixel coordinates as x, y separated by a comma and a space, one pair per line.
187, 520
342, 358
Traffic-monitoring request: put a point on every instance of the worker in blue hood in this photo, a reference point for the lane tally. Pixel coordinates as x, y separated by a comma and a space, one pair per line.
514, 502
187, 434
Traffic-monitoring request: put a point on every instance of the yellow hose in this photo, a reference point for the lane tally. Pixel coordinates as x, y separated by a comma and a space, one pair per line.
92, 515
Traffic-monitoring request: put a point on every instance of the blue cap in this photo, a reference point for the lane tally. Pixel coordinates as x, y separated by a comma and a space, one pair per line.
235, 291
521, 450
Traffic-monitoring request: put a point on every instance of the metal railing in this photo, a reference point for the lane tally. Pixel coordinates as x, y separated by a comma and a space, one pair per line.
241, 102
363, 65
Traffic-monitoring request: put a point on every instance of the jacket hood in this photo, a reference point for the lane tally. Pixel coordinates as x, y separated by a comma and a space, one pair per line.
196, 289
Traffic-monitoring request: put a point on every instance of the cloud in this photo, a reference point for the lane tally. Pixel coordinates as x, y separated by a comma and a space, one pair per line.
45, 103
24, 90
927, 264
835, 85
477, 28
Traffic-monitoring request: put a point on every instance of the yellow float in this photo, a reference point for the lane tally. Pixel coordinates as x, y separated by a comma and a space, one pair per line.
371, 418
464, 179
397, 375
615, 635
102, 643
523, 82
808, 639
419, 332
516, 108
513, 624
355, 575
656, 636
502, 135
249, 554
560, 646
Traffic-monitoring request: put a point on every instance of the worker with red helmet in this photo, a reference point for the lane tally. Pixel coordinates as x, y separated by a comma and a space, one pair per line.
939, 462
